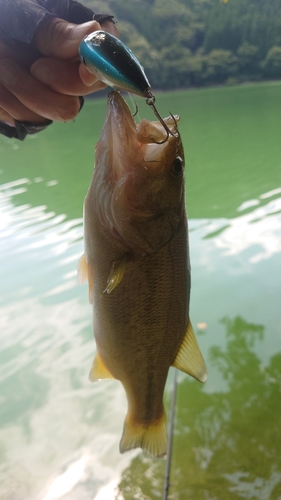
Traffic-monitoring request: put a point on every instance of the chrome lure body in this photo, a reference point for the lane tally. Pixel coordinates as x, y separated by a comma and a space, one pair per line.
114, 63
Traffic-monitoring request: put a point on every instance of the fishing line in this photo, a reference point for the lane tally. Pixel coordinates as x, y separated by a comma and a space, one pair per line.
170, 438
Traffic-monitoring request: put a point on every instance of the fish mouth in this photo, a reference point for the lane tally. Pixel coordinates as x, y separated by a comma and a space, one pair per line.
118, 146
133, 164
124, 125
120, 115
124, 144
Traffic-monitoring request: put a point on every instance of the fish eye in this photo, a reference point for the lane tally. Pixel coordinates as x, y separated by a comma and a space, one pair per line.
177, 165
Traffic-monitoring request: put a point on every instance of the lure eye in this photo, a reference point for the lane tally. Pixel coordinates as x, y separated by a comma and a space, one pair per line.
177, 166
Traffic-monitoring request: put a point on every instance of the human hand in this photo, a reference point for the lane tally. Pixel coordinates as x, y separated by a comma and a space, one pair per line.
36, 89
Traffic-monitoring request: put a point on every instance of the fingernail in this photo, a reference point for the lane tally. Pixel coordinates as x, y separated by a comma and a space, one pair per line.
82, 30
42, 72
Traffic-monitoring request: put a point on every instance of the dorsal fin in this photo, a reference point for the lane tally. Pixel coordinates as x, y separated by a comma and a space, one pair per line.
82, 270
85, 275
189, 358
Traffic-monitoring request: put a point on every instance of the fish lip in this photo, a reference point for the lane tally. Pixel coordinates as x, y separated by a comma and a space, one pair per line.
115, 100
120, 135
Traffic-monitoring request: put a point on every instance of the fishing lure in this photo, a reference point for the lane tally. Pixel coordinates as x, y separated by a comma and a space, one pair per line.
114, 63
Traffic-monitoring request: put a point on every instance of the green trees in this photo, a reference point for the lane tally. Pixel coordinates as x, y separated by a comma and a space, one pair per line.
272, 63
183, 43
248, 61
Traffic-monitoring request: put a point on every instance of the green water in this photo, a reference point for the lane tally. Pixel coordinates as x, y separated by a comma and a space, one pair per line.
59, 434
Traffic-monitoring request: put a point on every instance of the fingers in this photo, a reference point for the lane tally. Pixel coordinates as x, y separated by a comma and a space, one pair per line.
25, 56
11, 108
63, 77
60, 39
38, 98
6, 118
33, 89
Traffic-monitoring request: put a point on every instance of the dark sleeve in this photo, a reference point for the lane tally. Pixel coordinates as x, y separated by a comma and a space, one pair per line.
19, 20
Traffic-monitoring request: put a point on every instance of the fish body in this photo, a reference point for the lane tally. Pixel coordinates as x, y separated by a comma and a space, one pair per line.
114, 63
137, 265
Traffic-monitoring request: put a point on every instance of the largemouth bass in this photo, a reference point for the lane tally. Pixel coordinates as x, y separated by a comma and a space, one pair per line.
136, 262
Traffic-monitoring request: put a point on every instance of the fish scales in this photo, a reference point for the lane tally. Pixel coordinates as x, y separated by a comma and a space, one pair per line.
145, 318
137, 264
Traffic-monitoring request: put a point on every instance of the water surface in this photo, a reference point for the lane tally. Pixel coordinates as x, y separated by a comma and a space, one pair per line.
59, 434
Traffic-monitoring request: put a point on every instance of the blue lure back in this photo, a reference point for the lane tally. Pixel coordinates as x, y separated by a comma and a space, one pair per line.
114, 63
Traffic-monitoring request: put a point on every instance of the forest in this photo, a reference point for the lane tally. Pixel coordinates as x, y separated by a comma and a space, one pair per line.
193, 43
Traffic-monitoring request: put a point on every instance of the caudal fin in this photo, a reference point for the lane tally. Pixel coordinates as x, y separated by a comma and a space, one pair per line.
152, 438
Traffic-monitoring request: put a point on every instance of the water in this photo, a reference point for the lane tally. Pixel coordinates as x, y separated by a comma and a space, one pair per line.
59, 434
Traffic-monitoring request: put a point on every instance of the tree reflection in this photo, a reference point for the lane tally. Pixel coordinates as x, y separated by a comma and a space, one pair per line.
227, 445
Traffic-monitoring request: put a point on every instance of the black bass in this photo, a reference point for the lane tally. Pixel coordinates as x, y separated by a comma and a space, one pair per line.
136, 262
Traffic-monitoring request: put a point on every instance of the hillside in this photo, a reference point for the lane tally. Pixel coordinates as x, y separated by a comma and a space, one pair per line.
183, 43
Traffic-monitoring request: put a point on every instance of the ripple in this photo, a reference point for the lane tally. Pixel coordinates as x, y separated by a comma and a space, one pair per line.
259, 230
47, 345
32, 239
51, 417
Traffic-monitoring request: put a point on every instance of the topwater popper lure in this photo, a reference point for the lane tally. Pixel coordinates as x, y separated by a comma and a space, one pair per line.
115, 64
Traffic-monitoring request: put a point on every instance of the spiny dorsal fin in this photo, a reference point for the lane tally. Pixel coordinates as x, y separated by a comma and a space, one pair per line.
189, 358
116, 273
99, 370
84, 275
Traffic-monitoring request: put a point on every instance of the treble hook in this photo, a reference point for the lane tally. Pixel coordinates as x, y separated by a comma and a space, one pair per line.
150, 100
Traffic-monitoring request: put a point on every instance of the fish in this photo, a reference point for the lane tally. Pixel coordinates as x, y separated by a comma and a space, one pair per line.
136, 262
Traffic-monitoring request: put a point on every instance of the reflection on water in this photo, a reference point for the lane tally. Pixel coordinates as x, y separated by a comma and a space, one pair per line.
226, 444
55, 438
59, 434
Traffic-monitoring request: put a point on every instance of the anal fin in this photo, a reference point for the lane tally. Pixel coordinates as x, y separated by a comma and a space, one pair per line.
189, 358
99, 370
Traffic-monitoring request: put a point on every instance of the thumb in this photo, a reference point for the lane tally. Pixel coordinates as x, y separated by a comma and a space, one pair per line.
58, 38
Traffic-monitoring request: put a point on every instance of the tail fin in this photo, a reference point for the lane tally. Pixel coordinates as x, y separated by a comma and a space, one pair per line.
152, 438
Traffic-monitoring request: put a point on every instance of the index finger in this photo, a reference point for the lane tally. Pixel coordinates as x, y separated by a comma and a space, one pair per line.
58, 38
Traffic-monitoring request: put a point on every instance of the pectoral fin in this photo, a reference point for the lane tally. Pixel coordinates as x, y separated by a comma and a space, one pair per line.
116, 274
99, 370
84, 275
189, 358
